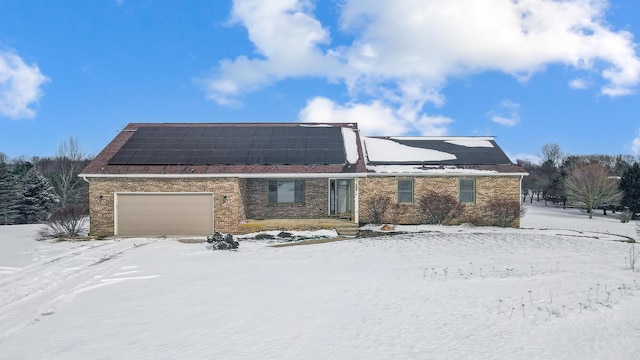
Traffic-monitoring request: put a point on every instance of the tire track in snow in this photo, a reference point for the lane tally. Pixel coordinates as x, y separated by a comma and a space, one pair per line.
35, 268
36, 290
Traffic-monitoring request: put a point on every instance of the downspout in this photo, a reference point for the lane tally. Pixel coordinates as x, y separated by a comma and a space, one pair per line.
519, 202
356, 197
521, 177
87, 181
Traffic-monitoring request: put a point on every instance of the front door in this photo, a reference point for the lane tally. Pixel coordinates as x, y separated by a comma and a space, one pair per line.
340, 197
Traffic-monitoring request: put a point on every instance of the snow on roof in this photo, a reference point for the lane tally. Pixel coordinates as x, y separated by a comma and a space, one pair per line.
385, 150
350, 145
327, 125
468, 141
315, 125
442, 138
417, 170
471, 142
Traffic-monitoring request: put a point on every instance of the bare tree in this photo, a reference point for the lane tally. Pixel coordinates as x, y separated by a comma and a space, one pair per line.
590, 186
551, 153
68, 162
532, 183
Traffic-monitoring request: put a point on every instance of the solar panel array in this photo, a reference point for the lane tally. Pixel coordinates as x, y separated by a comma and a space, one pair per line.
232, 145
464, 155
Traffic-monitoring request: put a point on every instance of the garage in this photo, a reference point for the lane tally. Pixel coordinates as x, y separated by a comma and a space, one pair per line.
164, 213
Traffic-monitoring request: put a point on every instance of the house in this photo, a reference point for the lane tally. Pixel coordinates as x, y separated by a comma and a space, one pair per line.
189, 179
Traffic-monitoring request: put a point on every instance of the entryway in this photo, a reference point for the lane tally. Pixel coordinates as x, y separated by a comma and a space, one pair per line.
341, 198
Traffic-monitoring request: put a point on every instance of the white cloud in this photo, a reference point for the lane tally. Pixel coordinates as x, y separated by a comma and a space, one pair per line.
20, 86
635, 144
428, 41
286, 37
504, 121
522, 156
374, 118
579, 84
433, 125
433, 40
511, 119
404, 51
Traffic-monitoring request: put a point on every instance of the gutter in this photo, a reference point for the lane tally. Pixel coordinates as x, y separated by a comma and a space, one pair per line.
441, 174
294, 175
230, 175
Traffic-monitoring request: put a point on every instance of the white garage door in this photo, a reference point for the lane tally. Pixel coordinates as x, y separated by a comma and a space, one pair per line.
164, 213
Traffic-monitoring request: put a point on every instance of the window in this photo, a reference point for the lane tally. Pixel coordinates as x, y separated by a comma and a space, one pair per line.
405, 191
286, 191
467, 190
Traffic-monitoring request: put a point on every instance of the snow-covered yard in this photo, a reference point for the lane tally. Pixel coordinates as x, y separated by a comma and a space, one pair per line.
560, 288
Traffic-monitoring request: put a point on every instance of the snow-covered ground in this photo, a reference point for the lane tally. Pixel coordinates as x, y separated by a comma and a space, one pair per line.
560, 288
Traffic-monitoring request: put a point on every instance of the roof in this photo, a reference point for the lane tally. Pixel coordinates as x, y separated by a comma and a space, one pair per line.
270, 149
437, 156
230, 148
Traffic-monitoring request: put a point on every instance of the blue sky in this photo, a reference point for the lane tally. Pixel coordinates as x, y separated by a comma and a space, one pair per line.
529, 72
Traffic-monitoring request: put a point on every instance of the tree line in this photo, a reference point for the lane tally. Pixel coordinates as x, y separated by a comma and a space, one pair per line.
31, 190
607, 182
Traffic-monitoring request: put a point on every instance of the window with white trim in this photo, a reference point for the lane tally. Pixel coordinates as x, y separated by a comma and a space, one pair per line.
467, 191
405, 191
286, 191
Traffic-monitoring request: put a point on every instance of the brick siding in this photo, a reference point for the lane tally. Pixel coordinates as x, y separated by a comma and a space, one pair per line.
228, 212
487, 187
315, 201
248, 198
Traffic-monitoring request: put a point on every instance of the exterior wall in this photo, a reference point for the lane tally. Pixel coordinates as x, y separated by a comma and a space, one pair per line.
487, 187
504, 187
228, 202
238, 199
315, 201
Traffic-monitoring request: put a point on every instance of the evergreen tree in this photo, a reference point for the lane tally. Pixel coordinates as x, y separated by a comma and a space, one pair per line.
38, 198
10, 196
630, 186
550, 181
21, 167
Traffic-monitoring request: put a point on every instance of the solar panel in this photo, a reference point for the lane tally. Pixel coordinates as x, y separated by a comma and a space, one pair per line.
224, 142
295, 157
211, 145
332, 156
314, 157
260, 142
237, 157
144, 152
463, 155
202, 146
